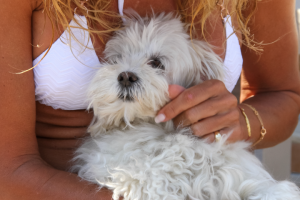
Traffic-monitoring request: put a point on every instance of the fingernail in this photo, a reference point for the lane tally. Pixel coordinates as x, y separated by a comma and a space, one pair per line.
159, 118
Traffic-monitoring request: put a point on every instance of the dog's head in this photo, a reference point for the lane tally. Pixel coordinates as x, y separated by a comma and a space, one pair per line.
142, 59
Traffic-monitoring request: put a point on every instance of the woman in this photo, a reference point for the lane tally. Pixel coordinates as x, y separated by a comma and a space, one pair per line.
37, 140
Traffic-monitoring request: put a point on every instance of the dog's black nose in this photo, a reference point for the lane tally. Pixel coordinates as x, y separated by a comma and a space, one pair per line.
126, 79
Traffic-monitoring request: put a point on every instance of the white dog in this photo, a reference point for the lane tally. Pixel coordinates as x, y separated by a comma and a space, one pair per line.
141, 160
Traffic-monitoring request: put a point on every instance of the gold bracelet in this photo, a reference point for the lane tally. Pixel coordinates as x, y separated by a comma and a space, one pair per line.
263, 131
247, 121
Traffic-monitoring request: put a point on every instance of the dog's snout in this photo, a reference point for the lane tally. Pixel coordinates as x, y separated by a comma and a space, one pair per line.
126, 79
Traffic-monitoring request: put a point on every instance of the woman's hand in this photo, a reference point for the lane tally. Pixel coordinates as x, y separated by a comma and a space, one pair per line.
206, 108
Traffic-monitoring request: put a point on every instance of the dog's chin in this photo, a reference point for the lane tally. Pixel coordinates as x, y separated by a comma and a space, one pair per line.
124, 111
133, 110
116, 107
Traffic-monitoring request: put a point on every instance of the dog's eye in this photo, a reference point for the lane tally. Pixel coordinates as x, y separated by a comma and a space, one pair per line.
155, 63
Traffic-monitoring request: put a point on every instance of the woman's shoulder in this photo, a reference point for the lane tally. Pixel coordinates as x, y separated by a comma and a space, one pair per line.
276, 68
17, 112
14, 5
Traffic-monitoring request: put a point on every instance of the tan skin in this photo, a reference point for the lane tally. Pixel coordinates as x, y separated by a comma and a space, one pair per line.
37, 141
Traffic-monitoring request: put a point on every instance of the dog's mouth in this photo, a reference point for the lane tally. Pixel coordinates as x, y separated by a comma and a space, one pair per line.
129, 94
126, 97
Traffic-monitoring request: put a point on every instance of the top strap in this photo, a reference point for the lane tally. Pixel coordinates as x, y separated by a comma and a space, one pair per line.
121, 5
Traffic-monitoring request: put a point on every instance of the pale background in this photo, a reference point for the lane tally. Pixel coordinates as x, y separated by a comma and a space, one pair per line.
297, 7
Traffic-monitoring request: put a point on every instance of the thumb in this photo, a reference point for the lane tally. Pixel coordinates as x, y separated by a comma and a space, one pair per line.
175, 90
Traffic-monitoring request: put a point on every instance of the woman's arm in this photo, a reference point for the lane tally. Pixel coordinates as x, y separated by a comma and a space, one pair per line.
272, 79
23, 174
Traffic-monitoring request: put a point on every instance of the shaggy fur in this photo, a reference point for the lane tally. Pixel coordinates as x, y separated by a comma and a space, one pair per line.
141, 160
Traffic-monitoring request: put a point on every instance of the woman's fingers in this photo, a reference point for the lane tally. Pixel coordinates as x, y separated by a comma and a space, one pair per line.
208, 108
209, 137
175, 90
190, 98
228, 120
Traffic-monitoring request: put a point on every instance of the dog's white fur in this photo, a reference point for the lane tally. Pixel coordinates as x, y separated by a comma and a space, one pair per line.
139, 159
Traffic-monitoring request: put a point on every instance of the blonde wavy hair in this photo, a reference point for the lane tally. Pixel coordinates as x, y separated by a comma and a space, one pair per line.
193, 12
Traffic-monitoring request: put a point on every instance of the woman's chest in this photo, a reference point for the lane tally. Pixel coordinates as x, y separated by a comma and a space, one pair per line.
43, 34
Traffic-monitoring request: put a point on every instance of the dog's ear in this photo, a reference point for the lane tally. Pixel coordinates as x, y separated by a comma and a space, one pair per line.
206, 64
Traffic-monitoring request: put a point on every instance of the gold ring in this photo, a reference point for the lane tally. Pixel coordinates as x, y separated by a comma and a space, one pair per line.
218, 136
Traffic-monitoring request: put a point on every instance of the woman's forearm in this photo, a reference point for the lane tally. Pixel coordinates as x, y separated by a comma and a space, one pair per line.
272, 77
279, 112
35, 180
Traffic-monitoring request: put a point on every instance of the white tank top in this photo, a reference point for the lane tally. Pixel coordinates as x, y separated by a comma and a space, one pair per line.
62, 77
